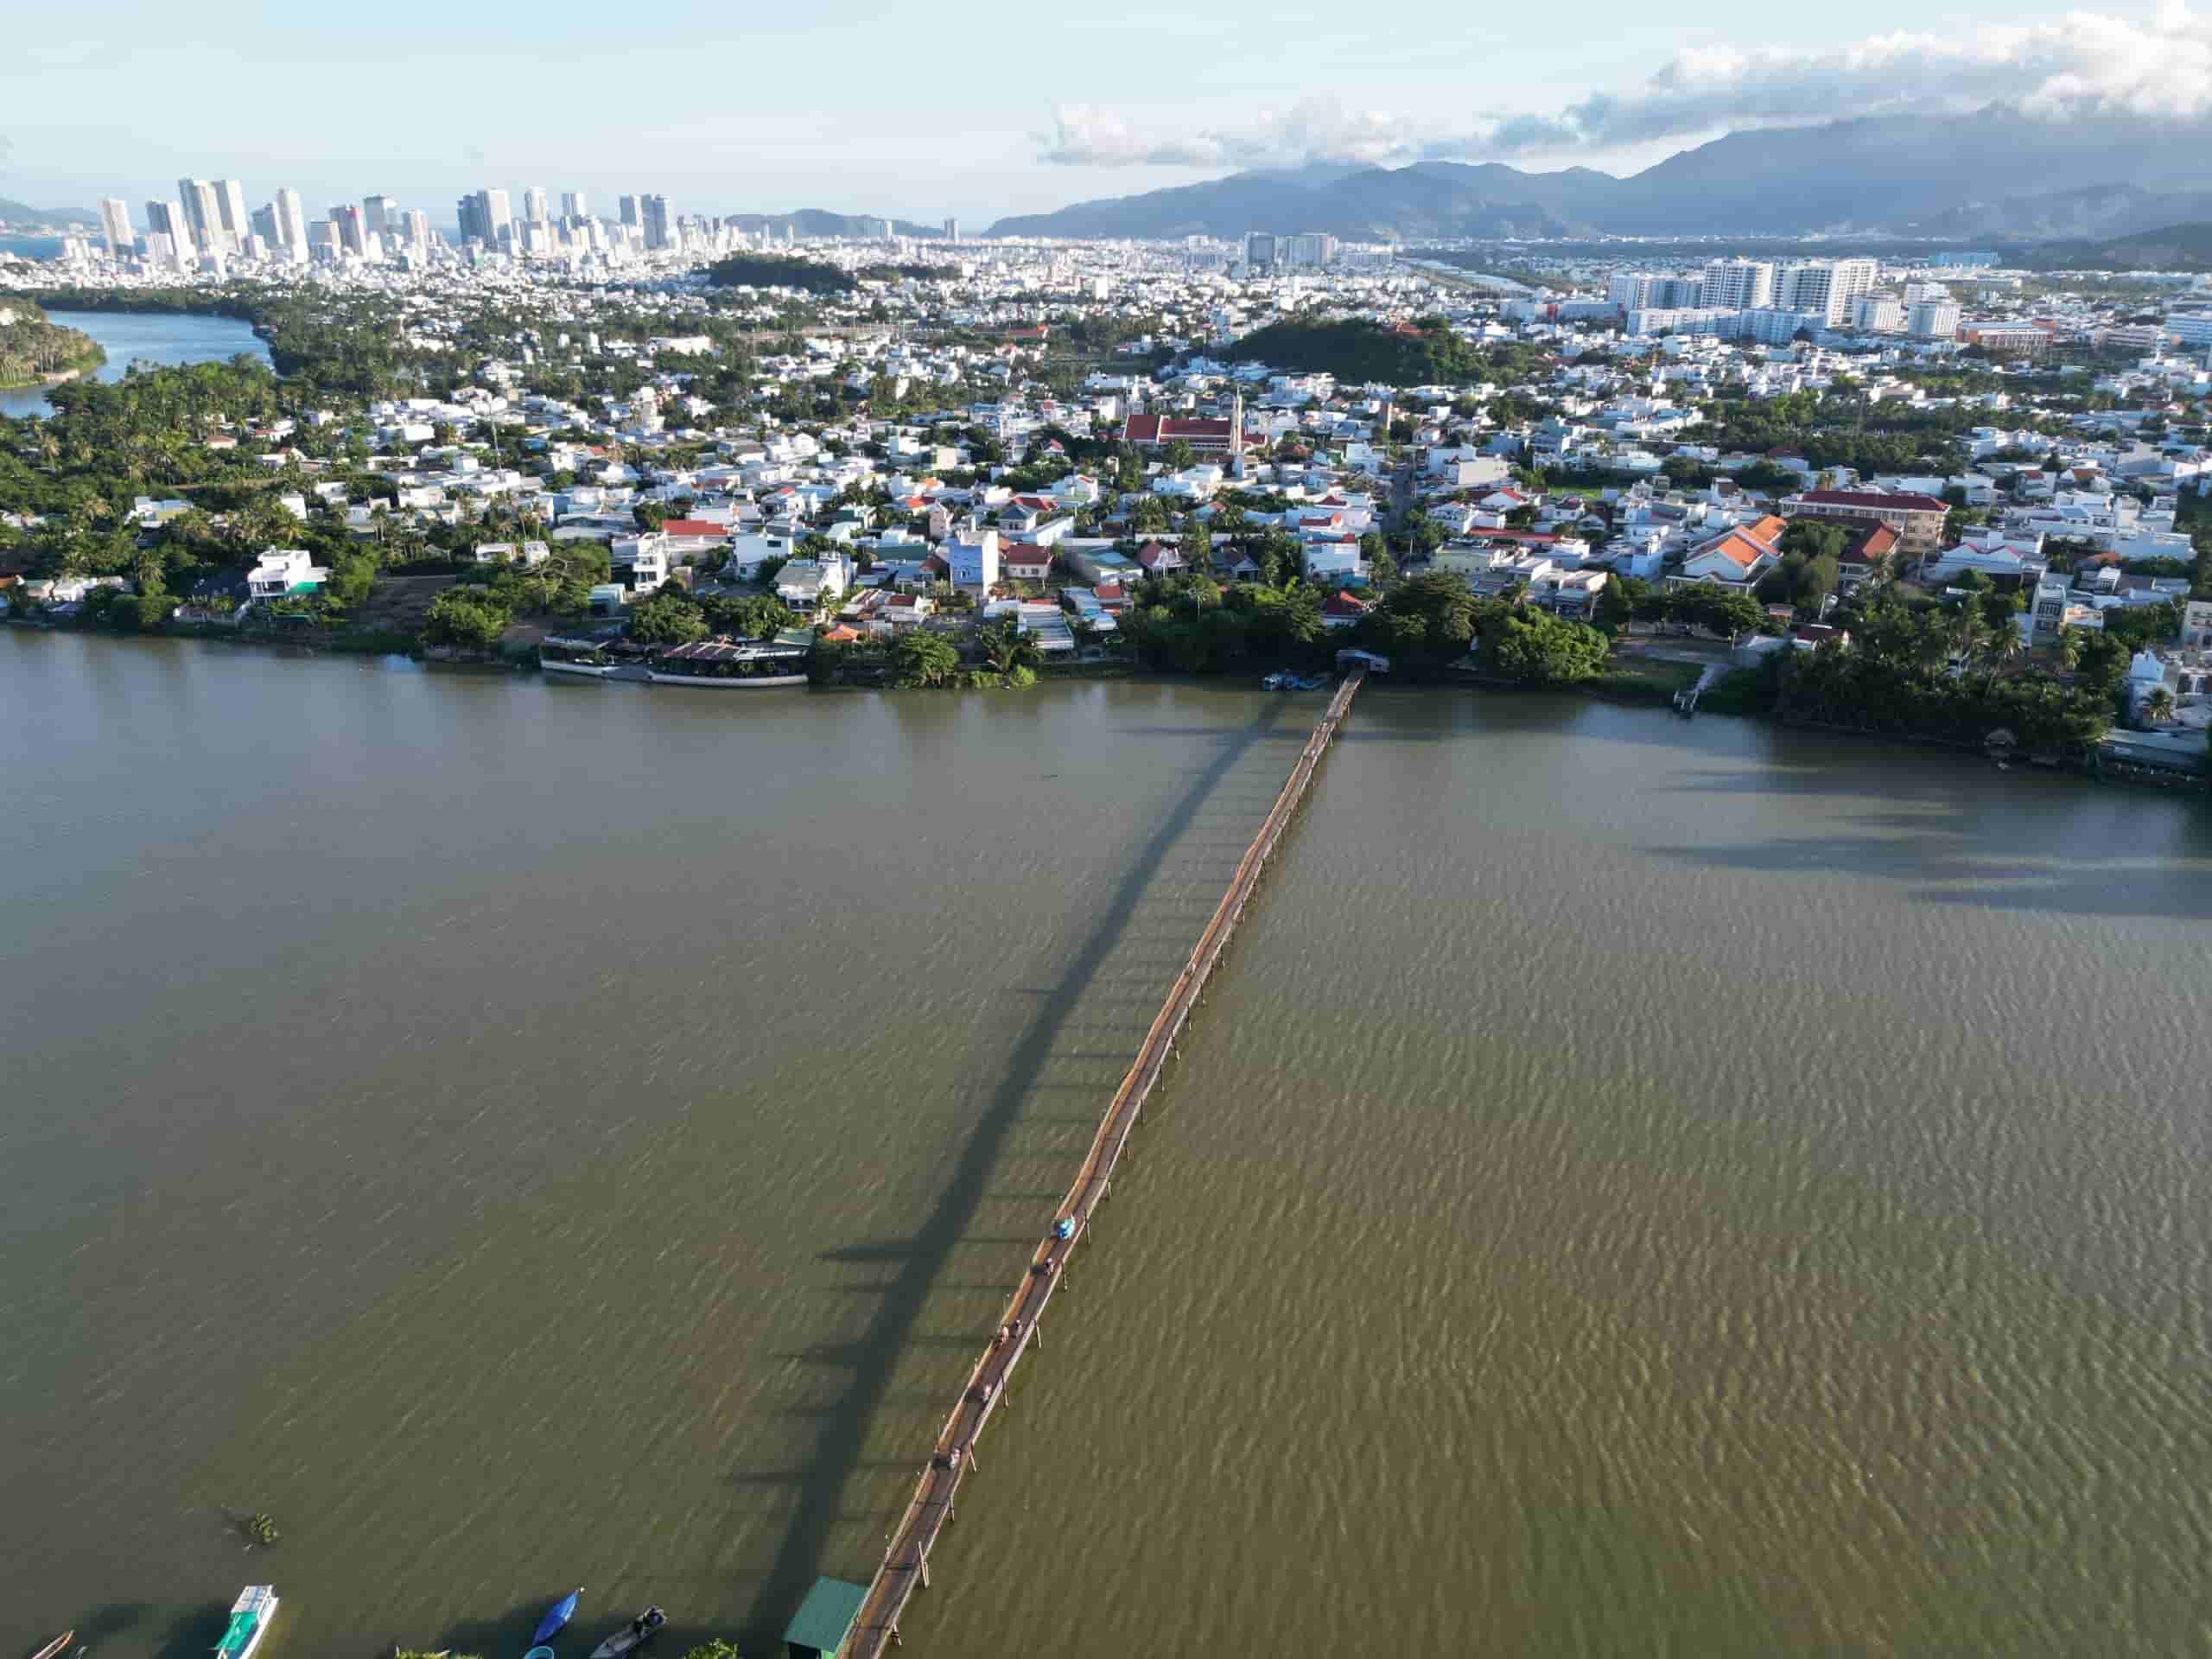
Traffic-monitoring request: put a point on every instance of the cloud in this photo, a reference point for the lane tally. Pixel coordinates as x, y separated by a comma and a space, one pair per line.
1313, 130
2081, 65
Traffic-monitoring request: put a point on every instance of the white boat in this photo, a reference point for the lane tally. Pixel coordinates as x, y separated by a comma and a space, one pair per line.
595, 670
728, 683
250, 1617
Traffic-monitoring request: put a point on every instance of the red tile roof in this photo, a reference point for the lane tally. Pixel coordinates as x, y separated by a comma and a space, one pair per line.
1873, 498
694, 527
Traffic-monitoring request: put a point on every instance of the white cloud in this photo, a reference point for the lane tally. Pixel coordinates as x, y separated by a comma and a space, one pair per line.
2081, 64
1313, 130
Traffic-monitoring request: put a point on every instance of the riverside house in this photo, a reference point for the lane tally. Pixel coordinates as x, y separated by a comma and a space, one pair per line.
282, 572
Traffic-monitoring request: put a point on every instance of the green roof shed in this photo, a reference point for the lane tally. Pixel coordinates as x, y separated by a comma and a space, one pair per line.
818, 1630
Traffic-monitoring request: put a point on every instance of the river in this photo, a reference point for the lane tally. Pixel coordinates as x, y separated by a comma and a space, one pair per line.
1634, 1185
147, 337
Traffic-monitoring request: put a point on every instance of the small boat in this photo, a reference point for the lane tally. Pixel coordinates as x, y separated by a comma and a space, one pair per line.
555, 1616
632, 1636
57, 1645
250, 1617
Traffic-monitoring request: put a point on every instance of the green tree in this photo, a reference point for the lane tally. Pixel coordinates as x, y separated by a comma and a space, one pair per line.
1617, 600
1198, 548
350, 579
923, 658
469, 619
2103, 661
747, 616
669, 618
1537, 649
716, 1649
1005, 646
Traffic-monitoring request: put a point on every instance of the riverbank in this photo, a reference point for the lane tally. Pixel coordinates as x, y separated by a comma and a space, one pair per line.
1740, 693
121, 338
37, 352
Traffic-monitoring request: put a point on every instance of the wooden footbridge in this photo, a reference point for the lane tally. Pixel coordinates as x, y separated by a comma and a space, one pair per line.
906, 1562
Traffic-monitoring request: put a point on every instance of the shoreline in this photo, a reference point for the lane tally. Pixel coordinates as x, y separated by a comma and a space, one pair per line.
60, 376
2096, 767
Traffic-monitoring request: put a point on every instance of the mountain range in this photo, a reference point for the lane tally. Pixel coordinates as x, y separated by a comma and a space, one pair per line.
22, 213
1994, 173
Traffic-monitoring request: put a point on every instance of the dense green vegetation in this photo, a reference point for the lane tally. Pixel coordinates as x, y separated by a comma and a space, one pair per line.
1930, 673
32, 346
467, 618
1357, 351
780, 270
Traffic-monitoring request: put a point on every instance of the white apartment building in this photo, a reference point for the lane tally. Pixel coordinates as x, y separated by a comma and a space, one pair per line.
115, 224
291, 222
1738, 285
1879, 313
1933, 319
1829, 286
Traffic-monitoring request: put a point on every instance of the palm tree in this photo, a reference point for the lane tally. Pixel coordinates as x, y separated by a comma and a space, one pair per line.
1967, 633
1007, 647
2001, 647
2158, 706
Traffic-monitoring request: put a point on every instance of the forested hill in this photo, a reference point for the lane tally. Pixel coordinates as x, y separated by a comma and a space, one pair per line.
2175, 247
1356, 350
32, 347
809, 275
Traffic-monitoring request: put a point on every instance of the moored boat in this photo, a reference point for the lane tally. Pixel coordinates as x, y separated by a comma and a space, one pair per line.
555, 1616
250, 1617
632, 1636
732, 664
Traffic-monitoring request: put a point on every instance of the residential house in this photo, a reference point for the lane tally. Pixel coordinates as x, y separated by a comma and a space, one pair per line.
284, 571
973, 561
1159, 558
748, 553
805, 584
1917, 520
639, 563
1735, 559
1342, 610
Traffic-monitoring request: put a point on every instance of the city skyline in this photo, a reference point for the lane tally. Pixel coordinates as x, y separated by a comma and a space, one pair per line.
1628, 93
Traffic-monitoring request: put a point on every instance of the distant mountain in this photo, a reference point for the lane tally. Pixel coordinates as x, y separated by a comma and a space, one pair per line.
1992, 173
1411, 203
2097, 212
22, 213
2171, 247
816, 221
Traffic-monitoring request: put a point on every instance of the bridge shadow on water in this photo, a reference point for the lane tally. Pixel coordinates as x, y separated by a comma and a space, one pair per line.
871, 1359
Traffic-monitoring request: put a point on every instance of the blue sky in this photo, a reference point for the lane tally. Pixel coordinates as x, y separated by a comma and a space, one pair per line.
988, 108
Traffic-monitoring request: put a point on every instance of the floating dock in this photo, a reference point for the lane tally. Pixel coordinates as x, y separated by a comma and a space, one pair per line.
906, 1562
